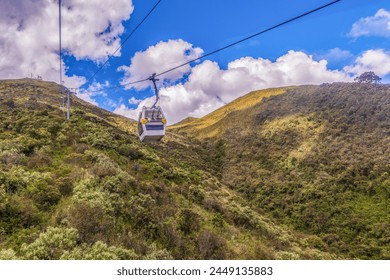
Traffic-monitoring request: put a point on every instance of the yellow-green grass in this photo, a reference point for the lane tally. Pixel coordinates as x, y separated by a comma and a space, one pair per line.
238, 111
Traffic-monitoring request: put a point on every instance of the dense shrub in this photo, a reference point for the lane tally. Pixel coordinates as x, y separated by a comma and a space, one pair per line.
8, 254
87, 190
51, 244
99, 251
211, 245
140, 212
188, 221
18, 212
91, 222
155, 253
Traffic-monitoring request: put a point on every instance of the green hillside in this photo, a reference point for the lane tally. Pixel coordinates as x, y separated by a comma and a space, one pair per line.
236, 113
88, 189
316, 159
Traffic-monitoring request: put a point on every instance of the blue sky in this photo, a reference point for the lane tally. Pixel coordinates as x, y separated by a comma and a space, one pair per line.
334, 44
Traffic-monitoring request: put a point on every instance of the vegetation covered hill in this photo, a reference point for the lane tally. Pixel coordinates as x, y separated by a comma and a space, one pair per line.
88, 189
315, 158
239, 112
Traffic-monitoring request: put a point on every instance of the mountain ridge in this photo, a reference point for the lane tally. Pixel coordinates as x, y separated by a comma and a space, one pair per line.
209, 123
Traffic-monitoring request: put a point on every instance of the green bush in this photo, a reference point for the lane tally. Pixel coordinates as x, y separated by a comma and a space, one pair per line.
8, 254
218, 221
14, 180
140, 210
188, 221
91, 222
18, 212
155, 253
196, 194
11, 157
88, 190
50, 245
44, 194
122, 183
211, 245
99, 251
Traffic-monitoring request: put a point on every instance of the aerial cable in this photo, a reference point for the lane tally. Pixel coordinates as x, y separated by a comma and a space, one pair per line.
120, 86
250, 37
60, 39
60, 52
125, 40
228, 46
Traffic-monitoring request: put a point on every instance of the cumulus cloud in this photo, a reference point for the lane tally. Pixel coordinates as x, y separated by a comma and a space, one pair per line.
98, 35
334, 55
94, 90
157, 59
29, 35
208, 86
377, 25
17, 11
377, 61
134, 101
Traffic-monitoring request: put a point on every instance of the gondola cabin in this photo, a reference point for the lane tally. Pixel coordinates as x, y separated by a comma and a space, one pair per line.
151, 124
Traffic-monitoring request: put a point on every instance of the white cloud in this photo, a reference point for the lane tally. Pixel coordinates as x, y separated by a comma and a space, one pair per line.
94, 90
209, 87
86, 96
293, 68
157, 59
134, 101
377, 61
334, 55
98, 87
29, 35
92, 28
123, 110
377, 25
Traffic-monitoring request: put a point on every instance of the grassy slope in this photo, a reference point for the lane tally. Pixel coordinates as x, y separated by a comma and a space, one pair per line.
238, 113
316, 158
88, 189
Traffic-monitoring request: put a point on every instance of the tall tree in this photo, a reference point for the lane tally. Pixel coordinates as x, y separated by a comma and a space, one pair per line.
368, 77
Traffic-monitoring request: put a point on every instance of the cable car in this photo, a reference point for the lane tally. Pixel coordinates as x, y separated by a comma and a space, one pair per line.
151, 124
151, 120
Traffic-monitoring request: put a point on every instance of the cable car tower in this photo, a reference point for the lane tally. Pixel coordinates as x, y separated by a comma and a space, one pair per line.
63, 89
152, 121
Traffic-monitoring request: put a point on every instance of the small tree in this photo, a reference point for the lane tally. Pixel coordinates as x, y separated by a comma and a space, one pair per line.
369, 78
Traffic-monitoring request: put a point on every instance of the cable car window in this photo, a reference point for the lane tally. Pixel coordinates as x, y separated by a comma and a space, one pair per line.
154, 127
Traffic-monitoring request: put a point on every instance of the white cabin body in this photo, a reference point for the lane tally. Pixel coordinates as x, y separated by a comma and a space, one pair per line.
151, 124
